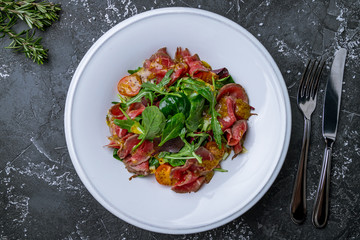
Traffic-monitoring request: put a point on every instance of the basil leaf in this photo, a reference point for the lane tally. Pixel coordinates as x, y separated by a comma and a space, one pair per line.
166, 79
134, 71
124, 124
173, 128
153, 122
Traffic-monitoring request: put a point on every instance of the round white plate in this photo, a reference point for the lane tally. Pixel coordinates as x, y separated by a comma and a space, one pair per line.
142, 201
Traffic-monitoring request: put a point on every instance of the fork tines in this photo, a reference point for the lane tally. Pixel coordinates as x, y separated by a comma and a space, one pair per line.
311, 78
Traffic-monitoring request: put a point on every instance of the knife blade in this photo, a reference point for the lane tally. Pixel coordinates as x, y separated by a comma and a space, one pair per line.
333, 96
331, 113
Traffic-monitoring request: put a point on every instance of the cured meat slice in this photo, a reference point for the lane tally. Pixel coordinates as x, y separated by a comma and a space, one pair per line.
226, 108
135, 109
234, 90
159, 63
236, 132
130, 142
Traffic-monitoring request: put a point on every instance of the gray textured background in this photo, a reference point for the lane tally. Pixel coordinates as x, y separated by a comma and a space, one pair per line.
41, 196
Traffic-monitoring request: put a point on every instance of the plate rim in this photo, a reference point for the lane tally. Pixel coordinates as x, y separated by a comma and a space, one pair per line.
88, 56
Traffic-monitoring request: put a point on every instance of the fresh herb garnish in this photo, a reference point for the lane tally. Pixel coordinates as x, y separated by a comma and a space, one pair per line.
134, 71
153, 122
34, 14
115, 155
173, 128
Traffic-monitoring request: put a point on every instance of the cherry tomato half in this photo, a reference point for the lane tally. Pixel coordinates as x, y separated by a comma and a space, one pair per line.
129, 85
162, 175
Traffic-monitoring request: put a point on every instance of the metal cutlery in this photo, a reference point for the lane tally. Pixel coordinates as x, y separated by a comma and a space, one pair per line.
306, 100
329, 129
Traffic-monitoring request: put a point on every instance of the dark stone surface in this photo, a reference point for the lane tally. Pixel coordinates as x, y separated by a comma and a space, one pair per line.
41, 196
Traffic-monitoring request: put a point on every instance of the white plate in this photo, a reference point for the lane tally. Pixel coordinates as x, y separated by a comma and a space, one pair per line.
142, 202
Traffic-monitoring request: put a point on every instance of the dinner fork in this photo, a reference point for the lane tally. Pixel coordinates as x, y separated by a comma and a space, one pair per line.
306, 101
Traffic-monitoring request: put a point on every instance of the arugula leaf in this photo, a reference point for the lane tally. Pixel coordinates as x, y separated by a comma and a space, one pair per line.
209, 95
134, 71
143, 93
166, 78
155, 88
173, 128
215, 124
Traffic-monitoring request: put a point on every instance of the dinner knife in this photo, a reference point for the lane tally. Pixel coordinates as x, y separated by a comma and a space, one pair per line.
329, 128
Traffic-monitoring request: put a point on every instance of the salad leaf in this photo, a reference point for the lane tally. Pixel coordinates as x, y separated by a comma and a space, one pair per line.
208, 93
173, 127
177, 162
153, 122
124, 124
156, 88
115, 155
196, 110
166, 78
223, 81
143, 93
171, 105
134, 71
154, 162
187, 152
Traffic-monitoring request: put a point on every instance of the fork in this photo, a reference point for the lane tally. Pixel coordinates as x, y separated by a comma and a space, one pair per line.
306, 101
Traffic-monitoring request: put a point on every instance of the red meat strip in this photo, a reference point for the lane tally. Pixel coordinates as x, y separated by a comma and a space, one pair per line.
236, 132
234, 90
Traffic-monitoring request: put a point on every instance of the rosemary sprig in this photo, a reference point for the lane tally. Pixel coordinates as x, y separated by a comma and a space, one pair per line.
35, 14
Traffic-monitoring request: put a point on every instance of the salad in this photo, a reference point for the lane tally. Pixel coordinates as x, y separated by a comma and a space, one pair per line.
177, 119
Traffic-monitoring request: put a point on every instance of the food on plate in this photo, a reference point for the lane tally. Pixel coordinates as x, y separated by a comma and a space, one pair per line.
177, 119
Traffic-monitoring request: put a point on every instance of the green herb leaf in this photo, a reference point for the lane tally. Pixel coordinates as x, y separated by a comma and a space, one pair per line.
173, 128
143, 93
177, 162
115, 155
171, 105
156, 88
195, 118
153, 122
209, 95
154, 162
124, 124
220, 170
166, 79
134, 71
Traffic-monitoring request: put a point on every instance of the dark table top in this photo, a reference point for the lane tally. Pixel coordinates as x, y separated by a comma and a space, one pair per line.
42, 197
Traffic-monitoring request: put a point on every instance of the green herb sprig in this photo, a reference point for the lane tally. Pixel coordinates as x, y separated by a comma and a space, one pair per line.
36, 15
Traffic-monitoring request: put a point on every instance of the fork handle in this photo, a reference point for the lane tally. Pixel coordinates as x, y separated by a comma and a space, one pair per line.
321, 205
298, 199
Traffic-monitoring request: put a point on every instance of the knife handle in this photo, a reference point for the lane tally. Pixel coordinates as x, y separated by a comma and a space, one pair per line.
321, 205
298, 199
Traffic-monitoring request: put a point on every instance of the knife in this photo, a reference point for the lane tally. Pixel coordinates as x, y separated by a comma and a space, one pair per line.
329, 128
